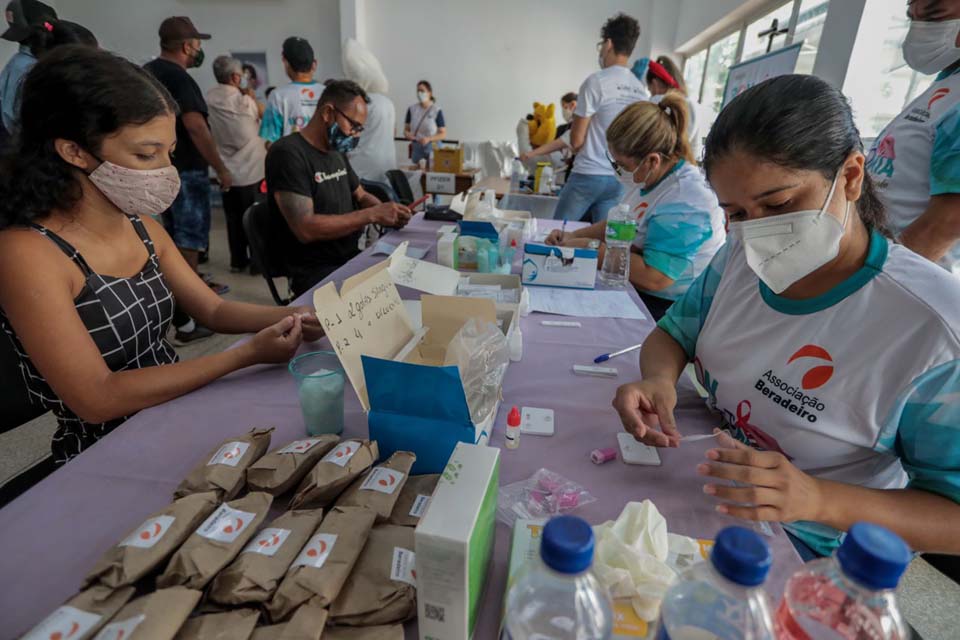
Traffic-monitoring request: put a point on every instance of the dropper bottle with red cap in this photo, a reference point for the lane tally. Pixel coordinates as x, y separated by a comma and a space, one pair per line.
513, 428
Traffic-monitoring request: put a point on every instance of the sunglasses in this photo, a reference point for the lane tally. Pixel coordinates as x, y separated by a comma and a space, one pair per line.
355, 127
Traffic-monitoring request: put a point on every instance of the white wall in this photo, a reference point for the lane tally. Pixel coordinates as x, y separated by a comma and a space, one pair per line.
489, 61
129, 27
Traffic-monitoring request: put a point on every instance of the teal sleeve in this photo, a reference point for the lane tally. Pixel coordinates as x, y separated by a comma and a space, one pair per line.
923, 430
271, 126
945, 157
686, 316
675, 232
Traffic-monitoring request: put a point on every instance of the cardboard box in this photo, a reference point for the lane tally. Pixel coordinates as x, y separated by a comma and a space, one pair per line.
447, 160
454, 544
559, 266
416, 404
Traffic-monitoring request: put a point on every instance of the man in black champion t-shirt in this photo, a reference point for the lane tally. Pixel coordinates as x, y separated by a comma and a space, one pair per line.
317, 207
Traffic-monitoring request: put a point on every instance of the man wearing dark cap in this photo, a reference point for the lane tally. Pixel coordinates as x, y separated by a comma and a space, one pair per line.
188, 219
24, 18
290, 108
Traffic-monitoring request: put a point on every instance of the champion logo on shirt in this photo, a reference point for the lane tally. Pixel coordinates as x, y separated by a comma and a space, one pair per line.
320, 177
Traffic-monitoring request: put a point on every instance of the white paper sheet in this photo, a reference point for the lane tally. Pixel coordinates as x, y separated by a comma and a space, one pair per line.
386, 248
584, 303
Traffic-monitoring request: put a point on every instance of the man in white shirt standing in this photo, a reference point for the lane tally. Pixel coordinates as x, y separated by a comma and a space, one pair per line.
915, 161
593, 188
235, 121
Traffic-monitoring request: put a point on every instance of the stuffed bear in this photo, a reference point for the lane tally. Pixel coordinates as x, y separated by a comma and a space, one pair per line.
543, 127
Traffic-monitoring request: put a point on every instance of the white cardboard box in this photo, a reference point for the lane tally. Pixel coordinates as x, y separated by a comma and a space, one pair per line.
454, 544
559, 266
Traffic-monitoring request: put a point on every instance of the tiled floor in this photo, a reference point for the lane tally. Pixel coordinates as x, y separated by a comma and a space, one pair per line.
930, 600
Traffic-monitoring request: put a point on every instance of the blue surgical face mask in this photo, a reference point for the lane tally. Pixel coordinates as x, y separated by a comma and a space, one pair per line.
339, 141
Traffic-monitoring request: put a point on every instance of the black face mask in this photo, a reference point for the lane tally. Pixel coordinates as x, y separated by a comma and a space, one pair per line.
197, 59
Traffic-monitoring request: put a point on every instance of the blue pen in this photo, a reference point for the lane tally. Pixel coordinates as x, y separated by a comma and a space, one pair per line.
607, 356
563, 230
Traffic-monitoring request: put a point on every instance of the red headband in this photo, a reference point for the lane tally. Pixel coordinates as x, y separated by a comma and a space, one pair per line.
658, 70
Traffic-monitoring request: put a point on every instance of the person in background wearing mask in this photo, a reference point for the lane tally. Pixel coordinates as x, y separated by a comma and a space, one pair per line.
87, 277
680, 225
188, 219
830, 352
313, 188
593, 188
289, 108
27, 22
235, 121
663, 75
375, 154
424, 124
915, 161
561, 144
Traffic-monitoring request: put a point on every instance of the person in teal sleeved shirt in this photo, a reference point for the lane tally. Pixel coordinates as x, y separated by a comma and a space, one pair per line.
830, 353
680, 224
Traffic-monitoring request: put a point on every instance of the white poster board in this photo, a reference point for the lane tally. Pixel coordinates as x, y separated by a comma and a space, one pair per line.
754, 71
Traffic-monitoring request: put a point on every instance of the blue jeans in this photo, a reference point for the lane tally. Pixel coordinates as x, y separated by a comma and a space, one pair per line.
588, 195
188, 218
421, 152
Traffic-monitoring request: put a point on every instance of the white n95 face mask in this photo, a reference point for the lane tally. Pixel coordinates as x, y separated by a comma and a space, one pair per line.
931, 47
783, 249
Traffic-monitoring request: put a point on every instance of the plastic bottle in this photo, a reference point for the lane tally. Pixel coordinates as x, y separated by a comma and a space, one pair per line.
545, 186
621, 230
518, 174
722, 599
851, 595
512, 435
483, 256
556, 596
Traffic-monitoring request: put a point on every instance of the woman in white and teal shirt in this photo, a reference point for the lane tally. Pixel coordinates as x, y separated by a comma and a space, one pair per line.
680, 224
831, 354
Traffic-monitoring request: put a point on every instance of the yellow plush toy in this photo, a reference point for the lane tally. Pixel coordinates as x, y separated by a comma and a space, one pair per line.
543, 127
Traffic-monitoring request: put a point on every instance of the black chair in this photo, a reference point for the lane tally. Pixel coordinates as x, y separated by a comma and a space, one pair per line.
378, 190
15, 410
398, 181
256, 222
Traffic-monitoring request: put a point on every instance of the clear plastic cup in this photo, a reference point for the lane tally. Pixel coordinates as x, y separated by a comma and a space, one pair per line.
319, 377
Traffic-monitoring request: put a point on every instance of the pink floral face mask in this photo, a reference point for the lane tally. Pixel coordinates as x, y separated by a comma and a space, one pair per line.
137, 191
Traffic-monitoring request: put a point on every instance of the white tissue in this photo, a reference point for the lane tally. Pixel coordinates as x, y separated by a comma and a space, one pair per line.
631, 557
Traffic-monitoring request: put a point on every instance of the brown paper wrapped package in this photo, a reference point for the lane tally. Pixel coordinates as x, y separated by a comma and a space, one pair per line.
410, 497
322, 567
151, 543
216, 542
306, 624
334, 473
230, 625
282, 469
391, 632
257, 571
379, 488
223, 469
371, 595
89, 611
155, 616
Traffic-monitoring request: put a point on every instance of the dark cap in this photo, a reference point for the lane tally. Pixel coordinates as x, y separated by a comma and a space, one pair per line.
180, 28
22, 16
298, 53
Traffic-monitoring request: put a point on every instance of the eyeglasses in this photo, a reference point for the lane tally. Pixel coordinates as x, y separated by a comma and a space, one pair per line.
355, 127
615, 165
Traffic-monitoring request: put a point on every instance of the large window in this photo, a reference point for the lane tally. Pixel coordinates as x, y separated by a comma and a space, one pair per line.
706, 69
879, 83
720, 57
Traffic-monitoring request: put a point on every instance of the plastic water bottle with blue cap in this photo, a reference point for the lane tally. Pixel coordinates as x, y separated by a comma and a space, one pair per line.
851, 595
555, 596
722, 599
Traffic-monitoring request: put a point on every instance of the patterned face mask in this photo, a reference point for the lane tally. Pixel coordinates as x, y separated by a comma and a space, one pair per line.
137, 191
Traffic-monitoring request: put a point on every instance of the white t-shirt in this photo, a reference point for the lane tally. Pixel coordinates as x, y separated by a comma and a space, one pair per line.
680, 226
289, 109
602, 96
917, 156
859, 385
375, 154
